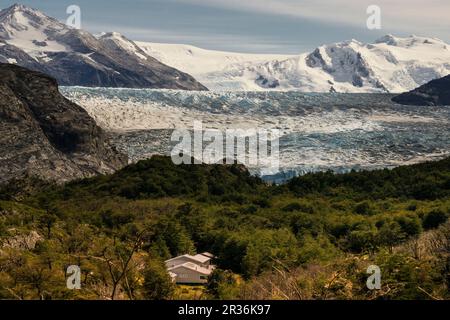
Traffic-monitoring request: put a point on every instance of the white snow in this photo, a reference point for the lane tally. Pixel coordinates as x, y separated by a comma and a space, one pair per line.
205, 65
391, 64
21, 29
116, 39
194, 60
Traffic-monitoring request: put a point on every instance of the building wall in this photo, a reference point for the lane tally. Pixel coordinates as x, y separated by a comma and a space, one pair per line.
185, 275
206, 264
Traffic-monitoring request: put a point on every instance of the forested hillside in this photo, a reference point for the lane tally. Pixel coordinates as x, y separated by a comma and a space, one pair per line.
311, 238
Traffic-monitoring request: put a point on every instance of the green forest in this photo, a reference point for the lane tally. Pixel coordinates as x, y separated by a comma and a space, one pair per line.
311, 238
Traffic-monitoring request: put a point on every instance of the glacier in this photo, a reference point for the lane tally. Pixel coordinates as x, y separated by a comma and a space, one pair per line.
318, 131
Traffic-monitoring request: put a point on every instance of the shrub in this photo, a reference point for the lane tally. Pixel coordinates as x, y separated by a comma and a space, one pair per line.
434, 219
364, 208
296, 206
410, 225
361, 241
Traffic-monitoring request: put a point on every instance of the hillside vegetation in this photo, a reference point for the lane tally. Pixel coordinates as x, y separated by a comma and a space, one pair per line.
312, 238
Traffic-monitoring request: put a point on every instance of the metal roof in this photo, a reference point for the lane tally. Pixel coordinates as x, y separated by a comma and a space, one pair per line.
193, 267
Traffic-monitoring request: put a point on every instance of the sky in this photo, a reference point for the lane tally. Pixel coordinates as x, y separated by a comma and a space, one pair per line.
258, 26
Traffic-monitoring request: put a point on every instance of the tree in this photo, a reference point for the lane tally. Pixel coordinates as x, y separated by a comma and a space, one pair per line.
266, 248
158, 284
46, 221
174, 235
390, 234
222, 284
118, 257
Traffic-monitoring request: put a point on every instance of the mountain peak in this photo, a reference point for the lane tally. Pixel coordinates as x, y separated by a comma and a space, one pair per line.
43, 43
388, 39
412, 40
30, 29
19, 17
352, 41
20, 8
112, 34
115, 40
17, 7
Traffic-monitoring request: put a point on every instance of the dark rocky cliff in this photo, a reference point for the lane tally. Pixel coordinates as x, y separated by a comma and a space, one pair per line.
434, 93
44, 134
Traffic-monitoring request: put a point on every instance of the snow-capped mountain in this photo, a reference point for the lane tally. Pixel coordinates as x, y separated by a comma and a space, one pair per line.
209, 64
390, 64
75, 57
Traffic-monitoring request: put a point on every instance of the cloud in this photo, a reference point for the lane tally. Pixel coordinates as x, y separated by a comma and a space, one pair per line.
271, 26
403, 15
219, 41
261, 25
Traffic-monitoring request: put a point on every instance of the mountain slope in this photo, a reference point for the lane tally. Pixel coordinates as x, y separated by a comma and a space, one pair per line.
74, 57
206, 64
391, 64
44, 134
434, 93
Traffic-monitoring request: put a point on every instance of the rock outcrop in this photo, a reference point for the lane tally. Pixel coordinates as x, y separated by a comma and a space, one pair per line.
21, 241
44, 134
434, 93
